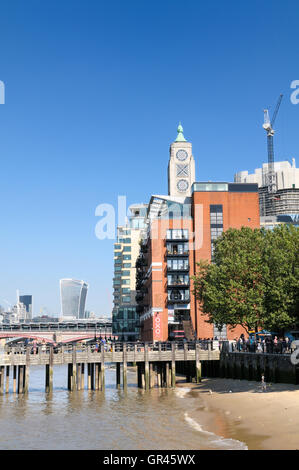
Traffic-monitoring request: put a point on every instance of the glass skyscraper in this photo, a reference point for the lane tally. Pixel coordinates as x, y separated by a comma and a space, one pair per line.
27, 301
73, 297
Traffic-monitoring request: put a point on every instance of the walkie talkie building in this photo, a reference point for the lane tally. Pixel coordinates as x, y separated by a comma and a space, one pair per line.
73, 297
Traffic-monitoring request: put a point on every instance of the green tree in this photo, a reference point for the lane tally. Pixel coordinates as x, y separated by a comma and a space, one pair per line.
281, 258
253, 280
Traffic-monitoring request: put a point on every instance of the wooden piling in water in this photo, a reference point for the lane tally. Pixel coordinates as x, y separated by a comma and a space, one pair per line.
88, 376
125, 365
102, 368
197, 364
79, 376
82, 376
167, 375
74, 369
20, 379
49, 372
26, 371
96, 376
92, 375
14, 380
7, 379
69, 376
118, 374
1, 380
173, 365
146, 368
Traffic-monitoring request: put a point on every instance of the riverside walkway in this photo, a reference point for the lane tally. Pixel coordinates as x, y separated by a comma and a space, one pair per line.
155, 363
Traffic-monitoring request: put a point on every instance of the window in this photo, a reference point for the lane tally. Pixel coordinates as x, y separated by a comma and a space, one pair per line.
117, 247
177, 234
125, 282
127, 248
126, 298
177, 279
216, 223
178, 295
126, 257
177, 264
126, 290
127, 265
126, 273
177, 248
117, 268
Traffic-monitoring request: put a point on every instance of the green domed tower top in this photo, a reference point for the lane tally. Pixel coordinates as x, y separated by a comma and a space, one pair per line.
180, 136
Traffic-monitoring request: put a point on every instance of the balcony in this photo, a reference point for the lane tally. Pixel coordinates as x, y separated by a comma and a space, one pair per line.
177, 249
176, 296
177, 265
177, 234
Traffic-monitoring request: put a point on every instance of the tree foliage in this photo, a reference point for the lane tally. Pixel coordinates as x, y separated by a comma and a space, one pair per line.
253, 280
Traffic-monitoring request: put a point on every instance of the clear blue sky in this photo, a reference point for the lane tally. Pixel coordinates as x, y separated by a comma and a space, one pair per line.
94, 93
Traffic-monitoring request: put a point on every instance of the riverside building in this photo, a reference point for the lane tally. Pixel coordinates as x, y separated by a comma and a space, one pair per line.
181, 229
125, 319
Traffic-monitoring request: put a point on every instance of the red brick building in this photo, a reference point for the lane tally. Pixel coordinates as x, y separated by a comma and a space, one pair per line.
181, 230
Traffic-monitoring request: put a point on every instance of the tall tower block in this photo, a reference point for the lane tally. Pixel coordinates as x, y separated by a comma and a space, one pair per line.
181, 166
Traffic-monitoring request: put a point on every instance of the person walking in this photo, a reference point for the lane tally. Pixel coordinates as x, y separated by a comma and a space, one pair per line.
264, 385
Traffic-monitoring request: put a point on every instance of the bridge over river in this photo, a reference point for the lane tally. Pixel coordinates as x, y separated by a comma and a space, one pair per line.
58, 332
155, 364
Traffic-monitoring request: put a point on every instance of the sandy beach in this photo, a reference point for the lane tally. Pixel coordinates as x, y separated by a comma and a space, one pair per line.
240, 410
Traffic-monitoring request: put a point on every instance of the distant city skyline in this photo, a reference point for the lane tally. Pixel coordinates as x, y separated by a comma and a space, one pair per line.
93, 96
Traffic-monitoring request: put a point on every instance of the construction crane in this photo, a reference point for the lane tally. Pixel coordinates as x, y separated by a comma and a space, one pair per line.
268, 126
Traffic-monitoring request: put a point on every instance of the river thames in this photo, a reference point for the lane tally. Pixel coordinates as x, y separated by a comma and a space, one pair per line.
114, 419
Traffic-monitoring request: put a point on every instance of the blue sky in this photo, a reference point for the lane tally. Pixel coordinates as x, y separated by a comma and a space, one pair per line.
94, 93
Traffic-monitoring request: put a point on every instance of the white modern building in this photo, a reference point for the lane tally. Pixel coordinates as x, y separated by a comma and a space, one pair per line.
285, 200
73, 297
287, 175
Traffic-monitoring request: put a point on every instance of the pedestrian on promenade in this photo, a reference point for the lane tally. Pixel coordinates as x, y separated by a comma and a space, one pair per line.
264, 386
275, 344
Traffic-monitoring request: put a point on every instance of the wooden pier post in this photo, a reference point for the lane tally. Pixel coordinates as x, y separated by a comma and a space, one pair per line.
151, 375
20, 379
82, 376
118, 374
173, 365
197, 364
89, 376
102, 370
49, 372
146, 367
124, 365
167, 377
14, 380
26, 371
7, 379
159, 374
79, 376
69, 376
1, 380
139, 381
96, 376
74, 368
92, 375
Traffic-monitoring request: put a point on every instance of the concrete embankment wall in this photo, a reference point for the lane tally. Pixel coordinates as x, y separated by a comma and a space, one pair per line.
250, 366
247, 366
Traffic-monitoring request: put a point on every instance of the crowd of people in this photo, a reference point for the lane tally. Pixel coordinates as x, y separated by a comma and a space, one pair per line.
265, 344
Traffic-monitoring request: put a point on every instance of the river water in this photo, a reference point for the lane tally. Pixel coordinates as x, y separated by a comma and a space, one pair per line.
114, 419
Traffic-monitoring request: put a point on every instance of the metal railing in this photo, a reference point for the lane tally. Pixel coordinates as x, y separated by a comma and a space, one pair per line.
113, 346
